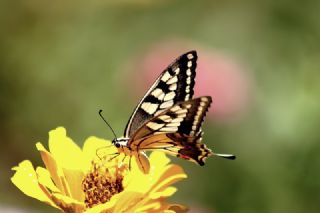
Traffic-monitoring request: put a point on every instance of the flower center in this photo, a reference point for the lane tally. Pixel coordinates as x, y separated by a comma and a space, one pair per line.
102, 182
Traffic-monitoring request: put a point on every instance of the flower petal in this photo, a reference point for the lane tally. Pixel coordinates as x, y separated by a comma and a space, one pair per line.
159, 159
94, 147
68, 204
169, 191
26, 180
64, 150
45, 179
127, 202
136, 180
55, 171
74, 179
172, 174
153, 206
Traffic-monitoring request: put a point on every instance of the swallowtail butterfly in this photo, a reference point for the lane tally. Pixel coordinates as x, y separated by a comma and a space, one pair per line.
168, 118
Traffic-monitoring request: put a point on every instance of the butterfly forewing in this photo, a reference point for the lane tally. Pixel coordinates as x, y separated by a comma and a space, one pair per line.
174, 85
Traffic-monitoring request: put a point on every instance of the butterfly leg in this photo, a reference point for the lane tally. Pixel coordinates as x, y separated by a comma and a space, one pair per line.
124, 158
104, 147
116, 155
130, 162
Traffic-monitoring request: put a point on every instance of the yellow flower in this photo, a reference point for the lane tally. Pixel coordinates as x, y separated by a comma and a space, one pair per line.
76, 180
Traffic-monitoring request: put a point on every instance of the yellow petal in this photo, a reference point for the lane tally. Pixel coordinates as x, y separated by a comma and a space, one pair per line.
68, 204
44, 179
167, 192
136, 180
65, 151
74, 179
149, 207
172, 174
159, 159
95, 147
26, 180
159, 162
160, 177
54, 169
127, 202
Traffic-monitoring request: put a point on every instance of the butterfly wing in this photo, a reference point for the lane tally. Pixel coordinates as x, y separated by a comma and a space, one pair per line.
175, 84
176, 130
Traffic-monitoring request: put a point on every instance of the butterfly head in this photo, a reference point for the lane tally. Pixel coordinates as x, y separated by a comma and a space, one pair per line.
119, 142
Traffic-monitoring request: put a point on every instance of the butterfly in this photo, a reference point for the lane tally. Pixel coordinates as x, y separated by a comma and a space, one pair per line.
168, 118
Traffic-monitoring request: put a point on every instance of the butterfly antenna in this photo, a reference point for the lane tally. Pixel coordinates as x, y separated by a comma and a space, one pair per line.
227, 156
100, 113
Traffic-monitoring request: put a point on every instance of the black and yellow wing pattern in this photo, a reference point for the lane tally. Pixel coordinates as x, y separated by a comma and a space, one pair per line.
176, 131
175, 84
168, 118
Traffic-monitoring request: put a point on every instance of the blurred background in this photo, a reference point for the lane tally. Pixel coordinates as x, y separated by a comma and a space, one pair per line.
62, 61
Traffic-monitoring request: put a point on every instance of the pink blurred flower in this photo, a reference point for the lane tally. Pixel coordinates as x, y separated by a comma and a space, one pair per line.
218, 75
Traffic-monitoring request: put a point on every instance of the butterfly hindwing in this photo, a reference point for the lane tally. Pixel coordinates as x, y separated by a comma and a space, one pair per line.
189, 148
176, 144
176, 131
174, 85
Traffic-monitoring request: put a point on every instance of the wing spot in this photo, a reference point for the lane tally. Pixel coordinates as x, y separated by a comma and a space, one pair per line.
175, 108
188, 89
188, 106
169, 129
188, 80
172, 80
166, 104
158, 93
187, 97
165, 118
202, 104
173, 124
169, 96
161, 96
181, 115
173, 87
166, 76
189, 63
154, 126
188, 72
158, 112
177, 71
177, 120
190, 56
182, 111
149, 108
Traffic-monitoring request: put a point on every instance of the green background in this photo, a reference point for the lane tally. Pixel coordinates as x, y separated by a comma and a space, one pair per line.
61, 61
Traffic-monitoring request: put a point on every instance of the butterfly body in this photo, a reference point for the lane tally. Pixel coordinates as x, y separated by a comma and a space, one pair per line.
168, 118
